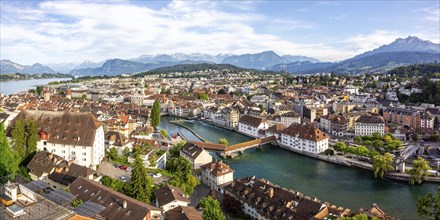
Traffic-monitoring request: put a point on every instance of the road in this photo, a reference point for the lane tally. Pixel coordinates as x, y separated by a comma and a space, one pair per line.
200, 191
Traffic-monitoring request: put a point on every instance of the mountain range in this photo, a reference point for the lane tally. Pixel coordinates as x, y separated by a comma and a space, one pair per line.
400, 52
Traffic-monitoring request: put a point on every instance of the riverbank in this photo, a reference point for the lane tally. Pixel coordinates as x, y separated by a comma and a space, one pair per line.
331, 159
346, 186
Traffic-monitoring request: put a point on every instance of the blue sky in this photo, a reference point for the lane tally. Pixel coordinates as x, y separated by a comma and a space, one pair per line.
73, 31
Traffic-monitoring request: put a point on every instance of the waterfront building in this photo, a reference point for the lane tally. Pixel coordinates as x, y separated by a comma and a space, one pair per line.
216, 174
169, 197
73, 136
263, 200
196, 155
252, 125
114, 205
368, 124
232, 117
304, 138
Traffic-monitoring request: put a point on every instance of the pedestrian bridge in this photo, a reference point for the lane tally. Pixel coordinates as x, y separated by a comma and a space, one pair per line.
228, 151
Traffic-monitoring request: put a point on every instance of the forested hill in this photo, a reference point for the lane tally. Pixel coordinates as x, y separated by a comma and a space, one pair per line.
196, 67
415, 70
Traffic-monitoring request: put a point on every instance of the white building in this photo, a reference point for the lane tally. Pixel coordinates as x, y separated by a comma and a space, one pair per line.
289, 118
368, 124
426, 120
251, 125
196, 155
351, 89
169, 197
72, 136
216, 174
304, 138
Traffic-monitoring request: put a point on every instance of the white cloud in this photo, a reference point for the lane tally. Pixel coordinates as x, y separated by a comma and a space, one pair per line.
73, 31
366, 42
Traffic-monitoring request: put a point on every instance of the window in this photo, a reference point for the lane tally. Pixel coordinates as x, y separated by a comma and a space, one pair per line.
84, 154
84, 159
73, 152
44, 143
63, 151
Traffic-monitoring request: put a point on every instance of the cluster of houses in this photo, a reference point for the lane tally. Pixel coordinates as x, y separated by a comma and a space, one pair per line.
78, 123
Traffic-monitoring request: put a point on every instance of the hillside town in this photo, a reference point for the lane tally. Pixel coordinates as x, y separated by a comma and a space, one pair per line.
95, 137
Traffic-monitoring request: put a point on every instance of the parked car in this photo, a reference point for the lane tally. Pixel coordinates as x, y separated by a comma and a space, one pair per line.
129, 169
117, 165
123, 179
123, 167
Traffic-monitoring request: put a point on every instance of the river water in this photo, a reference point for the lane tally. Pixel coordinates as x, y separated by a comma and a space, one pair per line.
10, 87
343, 186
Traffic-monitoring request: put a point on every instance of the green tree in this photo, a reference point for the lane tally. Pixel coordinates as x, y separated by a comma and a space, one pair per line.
382, 164
76, 202
340, 146
175, 150
211, 209
223, 141
368, 143
361, 151
203, 96
84, 97
182, 171
357, 140
113, 154
429, 205
31, 139
415, 137
155, 114
19, 138
376, 136
8, 158
419, 170
141, 186
358, 217
117, 185
164, 133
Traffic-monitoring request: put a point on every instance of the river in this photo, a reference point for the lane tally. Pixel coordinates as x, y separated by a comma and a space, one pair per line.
10, 87
343, 186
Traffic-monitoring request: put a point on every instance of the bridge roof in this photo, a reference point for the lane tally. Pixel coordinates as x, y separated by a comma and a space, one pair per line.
209, 146
249, 143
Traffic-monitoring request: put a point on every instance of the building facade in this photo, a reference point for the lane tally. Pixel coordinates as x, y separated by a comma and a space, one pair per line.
73, 136
304, 138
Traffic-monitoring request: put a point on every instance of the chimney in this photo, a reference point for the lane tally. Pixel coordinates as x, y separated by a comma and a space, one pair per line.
11, 191
124, 204
271, 192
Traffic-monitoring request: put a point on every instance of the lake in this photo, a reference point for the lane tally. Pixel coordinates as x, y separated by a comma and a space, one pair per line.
11, 87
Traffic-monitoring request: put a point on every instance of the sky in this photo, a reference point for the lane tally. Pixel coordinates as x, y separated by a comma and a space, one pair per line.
74, 31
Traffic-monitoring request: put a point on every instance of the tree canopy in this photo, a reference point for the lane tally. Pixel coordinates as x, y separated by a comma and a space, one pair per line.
9, 160
429, 205
211, 209
141, 187
419, 171
382, 164
155, 114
